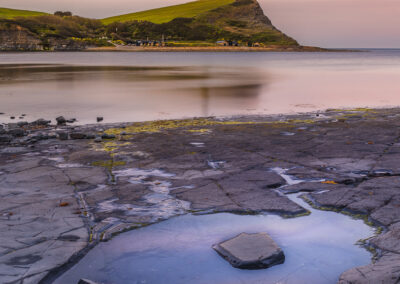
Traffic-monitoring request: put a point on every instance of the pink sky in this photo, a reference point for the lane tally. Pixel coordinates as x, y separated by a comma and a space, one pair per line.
327, 23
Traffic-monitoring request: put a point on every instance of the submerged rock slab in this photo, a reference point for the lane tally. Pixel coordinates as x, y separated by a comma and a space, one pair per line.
251, 251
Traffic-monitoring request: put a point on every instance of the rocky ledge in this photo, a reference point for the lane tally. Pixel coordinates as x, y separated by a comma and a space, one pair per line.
65, 188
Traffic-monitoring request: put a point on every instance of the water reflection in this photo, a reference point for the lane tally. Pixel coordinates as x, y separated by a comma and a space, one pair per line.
148, 86
125, 93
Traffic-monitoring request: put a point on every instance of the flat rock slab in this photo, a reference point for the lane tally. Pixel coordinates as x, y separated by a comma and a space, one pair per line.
251, 251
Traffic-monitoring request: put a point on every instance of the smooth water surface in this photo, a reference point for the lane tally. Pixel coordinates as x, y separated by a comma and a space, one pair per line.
123, 86
318, 248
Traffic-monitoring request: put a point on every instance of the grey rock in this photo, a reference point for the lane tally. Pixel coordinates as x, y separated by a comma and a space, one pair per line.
385, 271
251, 251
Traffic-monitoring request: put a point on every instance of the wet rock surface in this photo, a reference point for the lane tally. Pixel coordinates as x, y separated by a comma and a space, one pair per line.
251, 251
60, 196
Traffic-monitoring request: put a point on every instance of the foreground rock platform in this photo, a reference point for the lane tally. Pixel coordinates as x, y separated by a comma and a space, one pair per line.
251, 251
61, 194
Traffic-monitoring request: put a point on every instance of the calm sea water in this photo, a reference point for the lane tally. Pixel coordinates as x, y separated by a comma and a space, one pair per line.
147, 86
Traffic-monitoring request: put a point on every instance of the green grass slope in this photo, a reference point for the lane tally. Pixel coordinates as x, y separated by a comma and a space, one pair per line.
6, 13
166, 14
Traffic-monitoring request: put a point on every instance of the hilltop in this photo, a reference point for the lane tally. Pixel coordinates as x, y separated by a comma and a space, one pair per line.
202, 23
167, 14
6, 13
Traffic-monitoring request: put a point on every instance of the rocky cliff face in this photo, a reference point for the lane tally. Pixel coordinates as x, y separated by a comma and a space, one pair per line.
16, 38
246, 17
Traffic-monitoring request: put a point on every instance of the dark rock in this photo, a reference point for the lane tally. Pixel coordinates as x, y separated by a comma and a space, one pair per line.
90, 136
108, 136
251, 251
61, 120
17, 132
12, 117
72, 120
78, 135
2, 113
86, 281
100, 118
2, 131
5, 138
41, 122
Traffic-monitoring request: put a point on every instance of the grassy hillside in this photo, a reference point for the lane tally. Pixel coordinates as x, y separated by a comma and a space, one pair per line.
164, 15
6, 13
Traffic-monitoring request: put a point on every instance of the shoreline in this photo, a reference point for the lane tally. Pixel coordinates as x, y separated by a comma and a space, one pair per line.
215, 49
77, 172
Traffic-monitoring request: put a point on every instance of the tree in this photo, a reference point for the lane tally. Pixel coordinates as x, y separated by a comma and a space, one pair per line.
63, 14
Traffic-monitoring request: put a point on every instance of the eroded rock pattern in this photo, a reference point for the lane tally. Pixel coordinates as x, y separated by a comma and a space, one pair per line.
60, 196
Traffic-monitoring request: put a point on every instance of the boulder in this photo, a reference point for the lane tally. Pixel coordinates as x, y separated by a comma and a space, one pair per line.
61, 120
251, 251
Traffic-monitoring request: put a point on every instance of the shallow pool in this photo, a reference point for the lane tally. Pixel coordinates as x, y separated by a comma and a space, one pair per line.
318, 248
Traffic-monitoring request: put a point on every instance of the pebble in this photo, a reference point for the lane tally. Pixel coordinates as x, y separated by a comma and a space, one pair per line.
98, 139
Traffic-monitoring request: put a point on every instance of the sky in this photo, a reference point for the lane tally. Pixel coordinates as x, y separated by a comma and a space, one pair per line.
325, 23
